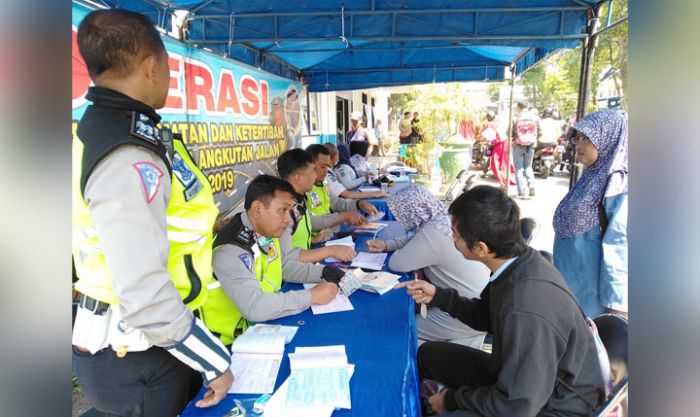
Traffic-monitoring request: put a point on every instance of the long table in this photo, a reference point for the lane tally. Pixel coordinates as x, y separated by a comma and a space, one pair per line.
380, 339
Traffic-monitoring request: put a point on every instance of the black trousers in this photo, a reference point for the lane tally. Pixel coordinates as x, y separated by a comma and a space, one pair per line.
141, 384
455, 366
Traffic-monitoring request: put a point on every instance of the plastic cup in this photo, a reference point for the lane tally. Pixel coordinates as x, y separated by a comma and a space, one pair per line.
385, 187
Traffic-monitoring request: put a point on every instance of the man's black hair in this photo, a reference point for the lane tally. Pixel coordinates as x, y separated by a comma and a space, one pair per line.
315, 150
487, 214
406, 113
114, 39
291, 161
263, 188
522, 105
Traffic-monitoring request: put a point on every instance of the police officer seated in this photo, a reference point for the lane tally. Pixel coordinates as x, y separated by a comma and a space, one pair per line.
249, 269
297, 168
321, 201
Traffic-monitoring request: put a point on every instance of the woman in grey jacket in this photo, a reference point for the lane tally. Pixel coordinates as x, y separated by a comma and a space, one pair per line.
429, 246
345, 172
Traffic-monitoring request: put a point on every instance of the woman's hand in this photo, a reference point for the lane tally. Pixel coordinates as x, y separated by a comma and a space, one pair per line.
376, 245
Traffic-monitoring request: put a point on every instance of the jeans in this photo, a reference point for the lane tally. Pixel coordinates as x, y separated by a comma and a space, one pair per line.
141, 384
522, 160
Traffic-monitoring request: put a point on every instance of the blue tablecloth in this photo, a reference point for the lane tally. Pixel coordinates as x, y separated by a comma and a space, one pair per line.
380, 339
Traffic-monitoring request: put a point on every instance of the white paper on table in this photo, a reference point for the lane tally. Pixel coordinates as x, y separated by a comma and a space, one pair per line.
369, 260
318, 356
318, 387
341, 302
379, 282
287, 331
376, 217
257, 342
368, 189
275, 407
254, 373
346, 241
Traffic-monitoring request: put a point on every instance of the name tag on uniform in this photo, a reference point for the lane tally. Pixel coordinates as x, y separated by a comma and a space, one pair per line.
315, 200
186, 177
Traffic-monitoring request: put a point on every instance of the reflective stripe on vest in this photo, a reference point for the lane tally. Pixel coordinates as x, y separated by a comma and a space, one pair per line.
302, 236
223, 317
191, 214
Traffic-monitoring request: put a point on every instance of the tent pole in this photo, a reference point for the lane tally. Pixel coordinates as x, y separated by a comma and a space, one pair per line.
584, 91
510, 126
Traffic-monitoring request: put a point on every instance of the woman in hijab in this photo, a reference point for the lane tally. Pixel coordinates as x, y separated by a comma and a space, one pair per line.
590, 223
429, 246
358, 155
345, 172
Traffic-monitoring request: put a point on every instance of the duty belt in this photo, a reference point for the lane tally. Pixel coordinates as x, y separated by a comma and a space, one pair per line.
96, 307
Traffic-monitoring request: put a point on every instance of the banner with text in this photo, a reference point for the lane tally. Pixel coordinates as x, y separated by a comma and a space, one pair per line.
235, 119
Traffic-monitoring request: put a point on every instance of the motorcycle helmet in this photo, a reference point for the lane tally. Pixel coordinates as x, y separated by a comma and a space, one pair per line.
548, 112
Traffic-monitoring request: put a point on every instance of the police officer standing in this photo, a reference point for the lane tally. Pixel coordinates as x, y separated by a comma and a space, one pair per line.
142, 234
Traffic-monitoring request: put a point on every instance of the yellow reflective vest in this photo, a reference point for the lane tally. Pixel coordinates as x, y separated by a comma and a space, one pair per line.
191, 214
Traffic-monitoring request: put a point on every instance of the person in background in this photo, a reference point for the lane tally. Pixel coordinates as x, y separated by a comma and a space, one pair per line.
405, 128
499, 156
138, 199
345, 171
416, 129
357, 132
297, 168
590, 223
551, 129
336, 189
358, 157
544, 359
431, 250
526, 133
381, 137
249, 267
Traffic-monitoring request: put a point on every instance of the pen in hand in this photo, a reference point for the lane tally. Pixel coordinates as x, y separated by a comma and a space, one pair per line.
423, 307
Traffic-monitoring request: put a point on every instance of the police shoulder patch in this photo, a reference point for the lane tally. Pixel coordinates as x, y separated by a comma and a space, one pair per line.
247, 260
143, 127
150, 175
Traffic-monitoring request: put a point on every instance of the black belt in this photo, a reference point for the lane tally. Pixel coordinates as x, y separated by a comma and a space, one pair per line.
97, 307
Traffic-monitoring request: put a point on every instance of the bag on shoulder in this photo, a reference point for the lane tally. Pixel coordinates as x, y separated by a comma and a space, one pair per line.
526, 130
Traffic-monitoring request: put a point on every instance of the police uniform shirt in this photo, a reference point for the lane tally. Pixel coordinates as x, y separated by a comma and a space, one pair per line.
242, 286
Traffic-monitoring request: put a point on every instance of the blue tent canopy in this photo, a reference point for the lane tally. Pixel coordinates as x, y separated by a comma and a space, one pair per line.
352, 44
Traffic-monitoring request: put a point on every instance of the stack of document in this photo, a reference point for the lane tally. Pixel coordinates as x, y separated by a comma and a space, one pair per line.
346, 241
256, 358
378, 282
369, 260
370, 228
319, 383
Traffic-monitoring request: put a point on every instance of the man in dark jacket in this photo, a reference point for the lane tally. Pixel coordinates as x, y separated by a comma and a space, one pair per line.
544, 360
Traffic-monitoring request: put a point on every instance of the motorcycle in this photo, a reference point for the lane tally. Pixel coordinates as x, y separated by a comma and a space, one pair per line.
482, 155
543, 161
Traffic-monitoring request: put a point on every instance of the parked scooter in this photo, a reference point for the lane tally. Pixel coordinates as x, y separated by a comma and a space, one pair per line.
543, 161
482, 155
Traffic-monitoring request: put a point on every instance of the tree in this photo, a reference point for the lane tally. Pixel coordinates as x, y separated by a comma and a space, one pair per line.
554, 81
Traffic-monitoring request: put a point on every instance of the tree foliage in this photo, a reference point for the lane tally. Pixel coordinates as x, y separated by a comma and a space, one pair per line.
555, 80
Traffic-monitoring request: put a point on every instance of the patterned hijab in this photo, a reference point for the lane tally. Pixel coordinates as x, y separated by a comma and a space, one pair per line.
344, 157
578, 210
413, 206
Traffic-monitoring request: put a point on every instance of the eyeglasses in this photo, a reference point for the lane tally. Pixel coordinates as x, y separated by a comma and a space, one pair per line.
579, 138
